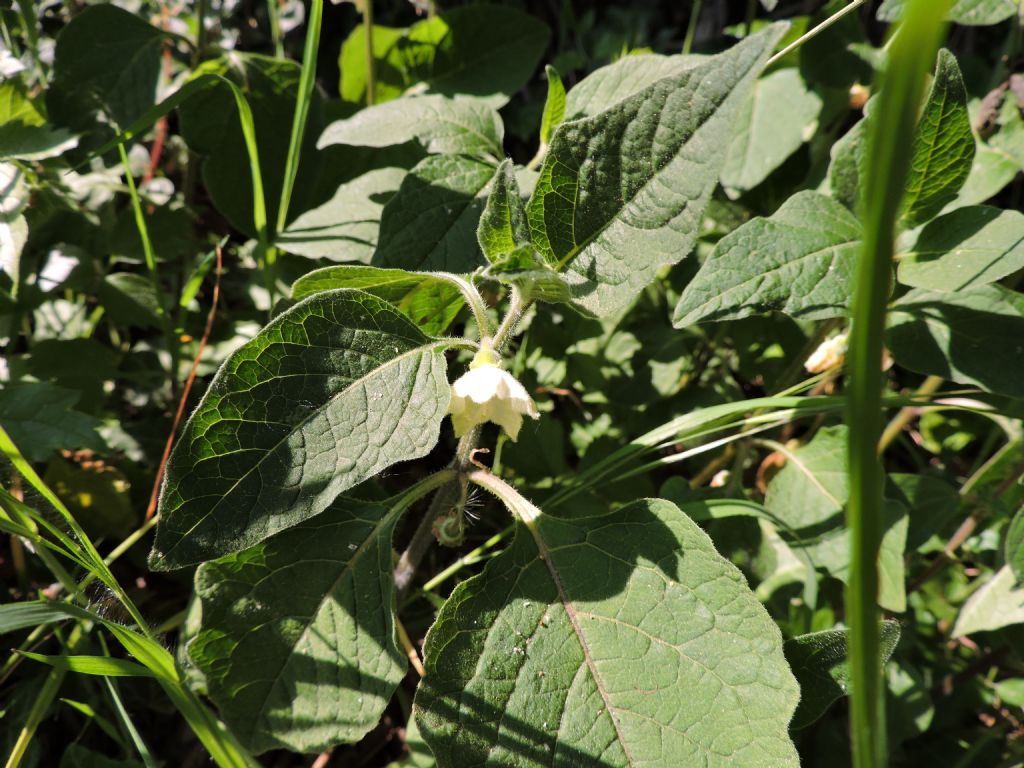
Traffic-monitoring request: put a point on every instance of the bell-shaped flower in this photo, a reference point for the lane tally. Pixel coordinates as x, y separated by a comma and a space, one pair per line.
487, 392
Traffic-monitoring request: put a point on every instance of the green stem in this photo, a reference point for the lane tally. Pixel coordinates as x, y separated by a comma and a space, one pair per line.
748, 23
691, 26
473, 299
304, 98
516, 308
274, 16
151, 267
889, 149
371, 64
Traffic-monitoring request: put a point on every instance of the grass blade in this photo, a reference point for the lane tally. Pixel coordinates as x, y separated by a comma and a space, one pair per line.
889, 142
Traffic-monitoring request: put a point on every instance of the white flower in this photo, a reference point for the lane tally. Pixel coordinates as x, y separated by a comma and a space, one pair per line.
829, 354
486, 392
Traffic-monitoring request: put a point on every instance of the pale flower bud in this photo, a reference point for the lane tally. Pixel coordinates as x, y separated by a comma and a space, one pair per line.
830, 354
486, 392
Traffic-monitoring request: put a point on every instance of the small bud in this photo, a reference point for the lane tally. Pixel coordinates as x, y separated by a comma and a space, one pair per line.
830, 354
485, 393
859, 95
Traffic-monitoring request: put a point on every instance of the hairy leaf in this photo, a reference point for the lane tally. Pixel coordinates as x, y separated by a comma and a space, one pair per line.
554, 105
430, 224
964, 248
810, 494
943, 146
329, 393
799, 261
41, 419
958, 336
503, 227
780, 116
559, 653
968, 12
429, 301
615, 82
1013, 545
345, 227
819, 661
298, 640
621, 193
441, 124
998, 603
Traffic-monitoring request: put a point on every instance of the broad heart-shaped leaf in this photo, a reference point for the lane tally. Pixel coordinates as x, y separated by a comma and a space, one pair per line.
810, 494
345, 227
943, 146
298, 640
430, 224
622, 639
329, 393
958, 336
108, 60
799, 261
1013, 545
965, 247
998, 603
621, 193
968, 12
819, 661
441, 124
781, 115
429, 301
610, 84
480, 50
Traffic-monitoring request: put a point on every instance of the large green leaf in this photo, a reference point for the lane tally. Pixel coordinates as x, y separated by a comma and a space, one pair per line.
799, 261
298, 640
943, 146
328, 394
106, 60
1013, 545
998, 603
819, 661
428, 300
41, 419
345, 227
441, 124
622, 639
503, 229
430, 224
779, 118
964, 248
34, 142
810, 494
958, 336
622, 193
611, 84
970, 12
480, 50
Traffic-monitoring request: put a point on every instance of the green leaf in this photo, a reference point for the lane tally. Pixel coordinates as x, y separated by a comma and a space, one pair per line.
611, 84
430, 224
77, 756
34, 142
298, 641
779, 118
847, 157
965, 248
15, 616
559, 652
958, 335
479, 50
91, 665
943, 145
819, 661
419, 755
442, 124
429, 301
932, 501
621, 194
328, 394
130, 299
1013, 546
998, 603
810, 494
108, 60
345, 227
40, 418
968, 12
554, 105
503, 227
799, 261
